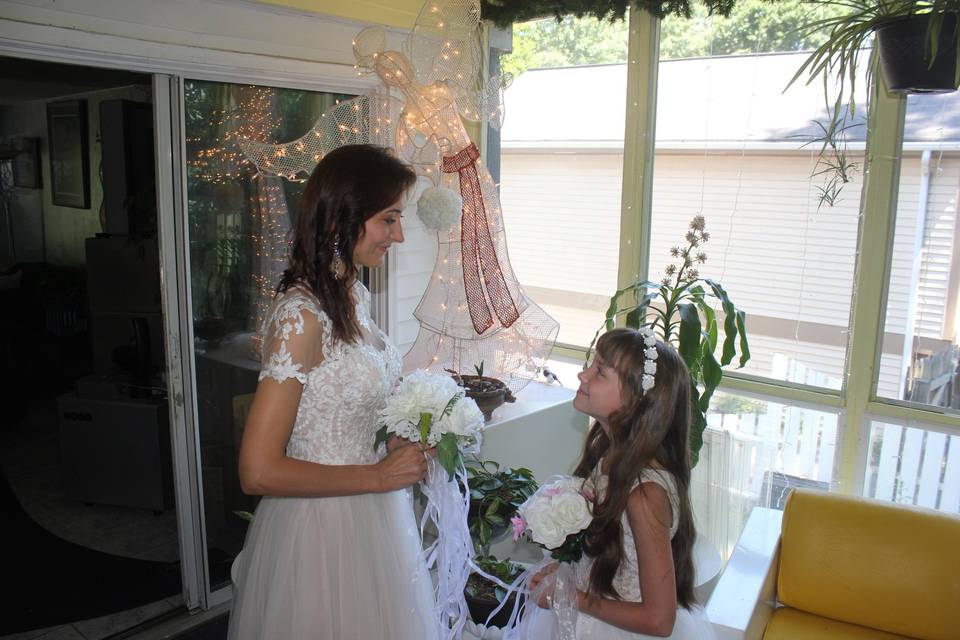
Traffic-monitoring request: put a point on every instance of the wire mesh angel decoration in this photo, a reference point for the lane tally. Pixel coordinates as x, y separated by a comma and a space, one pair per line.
474, 311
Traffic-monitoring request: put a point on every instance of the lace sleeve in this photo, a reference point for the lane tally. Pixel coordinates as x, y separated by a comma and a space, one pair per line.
294, 337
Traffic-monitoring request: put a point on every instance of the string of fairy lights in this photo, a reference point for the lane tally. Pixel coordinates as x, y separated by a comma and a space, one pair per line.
222, 162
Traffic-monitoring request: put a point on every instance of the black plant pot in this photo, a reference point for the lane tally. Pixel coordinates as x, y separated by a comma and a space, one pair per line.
904, 58
481, 608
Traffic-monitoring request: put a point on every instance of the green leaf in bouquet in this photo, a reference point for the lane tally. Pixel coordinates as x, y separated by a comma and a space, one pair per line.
448, 453
381, 437
426, 420
447, 410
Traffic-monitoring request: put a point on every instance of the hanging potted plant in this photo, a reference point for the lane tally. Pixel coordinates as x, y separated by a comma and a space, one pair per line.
917, 45
917, 42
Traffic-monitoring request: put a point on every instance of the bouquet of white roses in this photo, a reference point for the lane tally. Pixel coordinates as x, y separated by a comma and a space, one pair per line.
432, 409
556, 517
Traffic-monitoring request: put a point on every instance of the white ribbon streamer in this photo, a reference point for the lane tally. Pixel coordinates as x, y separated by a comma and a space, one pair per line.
563, 602
452, 552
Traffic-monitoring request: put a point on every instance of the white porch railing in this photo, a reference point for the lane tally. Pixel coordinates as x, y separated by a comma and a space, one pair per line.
913, 466
752, 459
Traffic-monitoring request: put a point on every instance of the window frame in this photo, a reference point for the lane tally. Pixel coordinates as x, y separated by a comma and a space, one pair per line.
857, 401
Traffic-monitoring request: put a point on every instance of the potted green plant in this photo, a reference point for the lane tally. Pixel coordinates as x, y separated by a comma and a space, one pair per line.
483, 596
917, 42
680, 309
488, 392
495, 494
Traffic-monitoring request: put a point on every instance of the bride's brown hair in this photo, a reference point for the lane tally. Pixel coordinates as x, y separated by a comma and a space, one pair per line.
349, 186
651, 428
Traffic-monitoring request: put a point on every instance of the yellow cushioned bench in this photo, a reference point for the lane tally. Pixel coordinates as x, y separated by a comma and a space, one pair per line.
846, 568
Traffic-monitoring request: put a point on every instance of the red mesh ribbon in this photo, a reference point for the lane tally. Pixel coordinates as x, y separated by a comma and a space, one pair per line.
476, 244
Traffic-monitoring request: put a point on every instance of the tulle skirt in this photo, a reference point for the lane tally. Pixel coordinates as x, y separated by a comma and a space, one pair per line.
343, 568
690, 625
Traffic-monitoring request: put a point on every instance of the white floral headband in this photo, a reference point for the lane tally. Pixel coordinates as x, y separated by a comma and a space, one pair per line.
650, 358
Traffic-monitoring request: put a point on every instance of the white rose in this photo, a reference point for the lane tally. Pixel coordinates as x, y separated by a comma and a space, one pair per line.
465, 419
428, 392
540, 522
570, 512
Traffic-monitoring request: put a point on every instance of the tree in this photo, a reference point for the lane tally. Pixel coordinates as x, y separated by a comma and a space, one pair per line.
547, 43
754, 26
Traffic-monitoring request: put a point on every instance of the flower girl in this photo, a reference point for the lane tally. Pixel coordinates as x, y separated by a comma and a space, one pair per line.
636, 576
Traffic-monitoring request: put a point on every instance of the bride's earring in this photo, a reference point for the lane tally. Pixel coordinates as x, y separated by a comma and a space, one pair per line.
337, 265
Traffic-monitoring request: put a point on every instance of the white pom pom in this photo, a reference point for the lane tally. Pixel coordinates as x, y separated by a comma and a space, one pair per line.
439, 208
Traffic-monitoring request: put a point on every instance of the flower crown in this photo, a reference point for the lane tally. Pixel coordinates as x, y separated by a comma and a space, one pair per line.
650, 358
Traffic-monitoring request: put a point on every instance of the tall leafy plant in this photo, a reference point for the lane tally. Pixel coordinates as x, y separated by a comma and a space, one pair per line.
683, 310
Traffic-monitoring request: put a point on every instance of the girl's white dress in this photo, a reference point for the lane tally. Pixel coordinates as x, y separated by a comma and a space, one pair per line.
689, 625
341, 568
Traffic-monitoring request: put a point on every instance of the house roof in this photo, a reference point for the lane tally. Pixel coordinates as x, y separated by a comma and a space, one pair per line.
726, 102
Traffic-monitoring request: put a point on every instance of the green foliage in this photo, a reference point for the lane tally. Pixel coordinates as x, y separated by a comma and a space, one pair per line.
753, 26
448, 454
572, 548
506, 12
730, 404
680, 309
505, 570
568, 42
833, 163
495, 494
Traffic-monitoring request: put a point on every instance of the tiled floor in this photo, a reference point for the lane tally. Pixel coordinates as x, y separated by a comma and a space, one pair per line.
30, 457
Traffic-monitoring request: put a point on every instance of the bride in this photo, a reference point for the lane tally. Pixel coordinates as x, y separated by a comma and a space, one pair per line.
333, 550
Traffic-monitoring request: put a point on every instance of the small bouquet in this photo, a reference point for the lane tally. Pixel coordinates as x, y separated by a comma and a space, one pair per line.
556, 517
431, 409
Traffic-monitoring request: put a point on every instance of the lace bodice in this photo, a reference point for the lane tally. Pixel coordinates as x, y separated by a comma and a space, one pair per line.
627, 579
344, 385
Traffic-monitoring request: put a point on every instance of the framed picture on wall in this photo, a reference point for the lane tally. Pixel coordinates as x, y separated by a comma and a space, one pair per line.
26, 164
69, 159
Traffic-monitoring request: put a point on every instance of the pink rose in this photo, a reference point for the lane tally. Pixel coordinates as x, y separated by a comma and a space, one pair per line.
519, 526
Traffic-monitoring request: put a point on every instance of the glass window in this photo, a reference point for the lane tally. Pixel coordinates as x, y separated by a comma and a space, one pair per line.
732, 146
754, 452
911, 465
239, 226
920, 346
561, 166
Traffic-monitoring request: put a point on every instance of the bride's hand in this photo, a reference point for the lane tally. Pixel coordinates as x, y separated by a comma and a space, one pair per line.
405, 465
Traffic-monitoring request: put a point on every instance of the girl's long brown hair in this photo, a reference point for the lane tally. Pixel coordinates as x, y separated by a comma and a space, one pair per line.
651, 429
350, 185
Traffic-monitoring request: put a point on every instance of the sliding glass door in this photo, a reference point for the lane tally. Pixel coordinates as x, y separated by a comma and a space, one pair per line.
238, 229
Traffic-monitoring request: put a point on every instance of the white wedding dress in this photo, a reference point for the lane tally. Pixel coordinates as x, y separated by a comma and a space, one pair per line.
689, 625
341, 568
